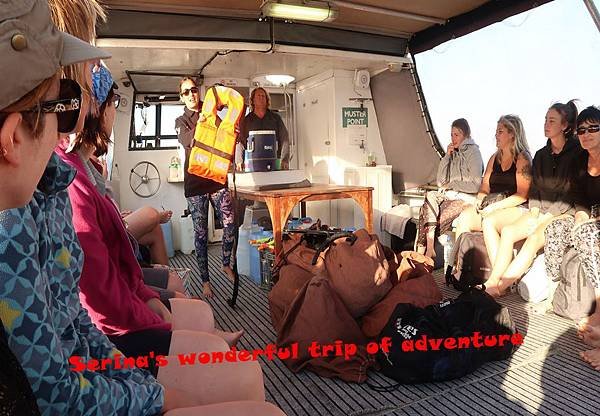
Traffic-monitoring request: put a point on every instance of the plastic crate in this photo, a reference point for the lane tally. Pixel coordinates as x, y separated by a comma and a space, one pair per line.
267, 261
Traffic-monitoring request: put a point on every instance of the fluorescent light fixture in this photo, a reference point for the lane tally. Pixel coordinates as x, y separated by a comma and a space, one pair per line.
279, 79
314, 11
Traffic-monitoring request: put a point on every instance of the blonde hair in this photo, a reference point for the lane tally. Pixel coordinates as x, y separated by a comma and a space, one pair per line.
519, 146
32, 119
253, 94
77, 18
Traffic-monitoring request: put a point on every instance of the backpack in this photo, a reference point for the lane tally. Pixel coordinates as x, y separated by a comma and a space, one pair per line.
413, 356
574, 297
472, 266
535, 286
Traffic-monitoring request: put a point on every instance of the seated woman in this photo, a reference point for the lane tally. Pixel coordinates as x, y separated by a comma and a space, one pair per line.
507, 177
459, 177
554, 192
580, 232
112, 286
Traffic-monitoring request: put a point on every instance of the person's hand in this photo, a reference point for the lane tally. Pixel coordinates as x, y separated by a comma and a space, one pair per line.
450, 149
102, 162
160, 309
239, 167
581, 217
285, 164
126, 213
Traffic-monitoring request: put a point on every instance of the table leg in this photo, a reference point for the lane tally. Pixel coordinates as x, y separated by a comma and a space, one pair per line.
279, 210
365, 200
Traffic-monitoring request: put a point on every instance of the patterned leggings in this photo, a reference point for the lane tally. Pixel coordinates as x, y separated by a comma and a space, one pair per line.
562, 234
223, 206
437, 211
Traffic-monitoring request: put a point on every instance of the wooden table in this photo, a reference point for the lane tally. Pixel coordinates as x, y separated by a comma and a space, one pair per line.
280, 203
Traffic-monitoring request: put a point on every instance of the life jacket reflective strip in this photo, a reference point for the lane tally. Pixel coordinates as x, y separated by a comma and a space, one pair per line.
214, 146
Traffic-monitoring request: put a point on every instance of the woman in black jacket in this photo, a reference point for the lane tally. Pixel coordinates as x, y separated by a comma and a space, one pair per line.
199, 192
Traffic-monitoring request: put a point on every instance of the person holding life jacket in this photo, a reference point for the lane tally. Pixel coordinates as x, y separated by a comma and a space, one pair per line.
200, 191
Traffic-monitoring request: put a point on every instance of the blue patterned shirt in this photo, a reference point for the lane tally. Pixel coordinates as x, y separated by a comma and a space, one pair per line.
40, 266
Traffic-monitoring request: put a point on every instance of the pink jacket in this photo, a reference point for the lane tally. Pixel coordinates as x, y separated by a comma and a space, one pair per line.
112, 287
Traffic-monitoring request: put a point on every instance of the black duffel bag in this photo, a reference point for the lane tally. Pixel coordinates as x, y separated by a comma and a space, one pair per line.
430, 344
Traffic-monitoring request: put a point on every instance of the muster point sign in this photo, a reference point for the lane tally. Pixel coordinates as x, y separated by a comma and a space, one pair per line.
355, 116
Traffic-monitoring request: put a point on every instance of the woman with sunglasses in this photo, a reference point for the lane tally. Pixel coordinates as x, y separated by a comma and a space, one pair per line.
582, 231
554, 192
41, 257
199, 192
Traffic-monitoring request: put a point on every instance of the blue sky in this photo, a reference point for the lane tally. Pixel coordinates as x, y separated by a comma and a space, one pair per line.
520, 66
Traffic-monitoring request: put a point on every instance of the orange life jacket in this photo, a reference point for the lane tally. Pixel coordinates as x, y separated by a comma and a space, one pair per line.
214, 144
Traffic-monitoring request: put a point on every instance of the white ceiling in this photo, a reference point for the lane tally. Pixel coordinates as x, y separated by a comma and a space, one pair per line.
174, 56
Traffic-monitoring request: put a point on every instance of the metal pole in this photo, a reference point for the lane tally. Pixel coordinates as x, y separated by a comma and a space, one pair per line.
593, 12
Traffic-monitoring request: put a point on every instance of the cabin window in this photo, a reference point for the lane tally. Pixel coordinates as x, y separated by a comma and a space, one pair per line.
153, 122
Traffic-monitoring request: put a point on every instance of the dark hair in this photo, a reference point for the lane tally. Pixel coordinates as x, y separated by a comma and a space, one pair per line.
93, 133
568, 113
590, 114
462, 125
187, 79
253, 94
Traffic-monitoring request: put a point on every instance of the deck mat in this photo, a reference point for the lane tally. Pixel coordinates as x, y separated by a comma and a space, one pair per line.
545, 375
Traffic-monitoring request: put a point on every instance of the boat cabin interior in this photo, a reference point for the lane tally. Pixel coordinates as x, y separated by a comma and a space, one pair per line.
353, 105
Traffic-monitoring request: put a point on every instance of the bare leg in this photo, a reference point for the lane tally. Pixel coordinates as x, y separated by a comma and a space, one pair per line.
142, 221
239, 408
493, 224
468, 220
522, 262
430, 247
175, 283
593, 321
207, 290
197, 315
509, 236
155, 240
213, 382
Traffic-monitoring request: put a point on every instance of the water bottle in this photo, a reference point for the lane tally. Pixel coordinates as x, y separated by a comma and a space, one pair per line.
186, 243
168, 236
243, 251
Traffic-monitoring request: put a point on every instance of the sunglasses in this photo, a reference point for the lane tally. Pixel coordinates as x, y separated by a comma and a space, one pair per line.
67, 107
186, 92
590, 129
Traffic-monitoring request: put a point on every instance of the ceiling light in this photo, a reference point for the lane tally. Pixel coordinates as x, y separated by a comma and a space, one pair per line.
279, 79
314, 11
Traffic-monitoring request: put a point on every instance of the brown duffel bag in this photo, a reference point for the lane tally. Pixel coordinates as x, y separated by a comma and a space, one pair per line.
359, 272
291, 280
317, 315
417, 287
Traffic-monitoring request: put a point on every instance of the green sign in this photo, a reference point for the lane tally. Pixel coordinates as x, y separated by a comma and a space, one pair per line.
355, 116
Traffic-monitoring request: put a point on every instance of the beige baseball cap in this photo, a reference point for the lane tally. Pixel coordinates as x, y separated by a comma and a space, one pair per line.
32, 49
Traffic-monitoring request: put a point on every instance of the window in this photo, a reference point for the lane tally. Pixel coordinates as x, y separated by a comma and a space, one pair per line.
153, 122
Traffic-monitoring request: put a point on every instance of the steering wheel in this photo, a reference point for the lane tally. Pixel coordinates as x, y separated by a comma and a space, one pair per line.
144, 179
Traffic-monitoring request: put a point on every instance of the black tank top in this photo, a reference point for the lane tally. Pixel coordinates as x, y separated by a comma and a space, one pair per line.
503, 181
